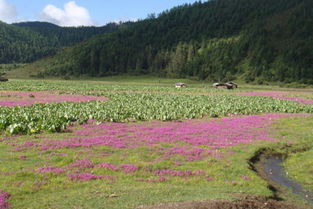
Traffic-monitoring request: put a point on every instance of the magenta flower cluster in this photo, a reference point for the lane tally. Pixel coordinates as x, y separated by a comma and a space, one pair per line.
4, 197
50, 169
170, 172
108, 166
129, 168
85, 163
13, 98
193, 139
278, 95
74, 169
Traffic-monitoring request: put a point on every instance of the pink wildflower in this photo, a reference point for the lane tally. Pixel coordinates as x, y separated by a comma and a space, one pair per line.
50, 169
162, 179
108, 166
4, 196
178, 173
184, 137
86, 177
85, 163
128, 168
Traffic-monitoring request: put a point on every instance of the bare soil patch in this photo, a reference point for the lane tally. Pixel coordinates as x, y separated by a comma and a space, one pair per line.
250, 202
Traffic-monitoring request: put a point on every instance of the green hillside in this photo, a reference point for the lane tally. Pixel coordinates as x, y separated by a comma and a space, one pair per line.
254, 40
29, 41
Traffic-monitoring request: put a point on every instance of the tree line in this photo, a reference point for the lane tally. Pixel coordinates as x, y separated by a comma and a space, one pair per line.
29, 41
254, 40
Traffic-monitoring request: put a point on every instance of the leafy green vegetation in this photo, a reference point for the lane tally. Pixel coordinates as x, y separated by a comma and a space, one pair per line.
124, 105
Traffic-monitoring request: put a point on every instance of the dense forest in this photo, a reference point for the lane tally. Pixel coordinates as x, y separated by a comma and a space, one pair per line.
254, 40
29, 41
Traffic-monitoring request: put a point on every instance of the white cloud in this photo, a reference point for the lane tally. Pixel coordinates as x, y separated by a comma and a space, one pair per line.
7, 11
71, 15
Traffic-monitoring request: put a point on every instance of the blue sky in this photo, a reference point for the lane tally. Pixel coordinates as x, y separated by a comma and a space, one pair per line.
82, 12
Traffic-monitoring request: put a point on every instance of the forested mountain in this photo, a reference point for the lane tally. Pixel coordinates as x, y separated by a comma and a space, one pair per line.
216, 40
29, 41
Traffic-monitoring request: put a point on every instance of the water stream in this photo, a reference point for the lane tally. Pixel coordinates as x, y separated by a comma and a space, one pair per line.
276, 172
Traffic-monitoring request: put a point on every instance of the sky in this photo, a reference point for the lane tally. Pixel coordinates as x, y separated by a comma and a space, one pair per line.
82, 12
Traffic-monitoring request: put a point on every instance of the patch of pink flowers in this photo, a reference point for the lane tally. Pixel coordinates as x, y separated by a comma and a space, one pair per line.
193, 139
12, 98
4, 197
170, 172
87, 177
50, 169
85, 163
190, 153
128, 168
108, 166
278, 95
83, 142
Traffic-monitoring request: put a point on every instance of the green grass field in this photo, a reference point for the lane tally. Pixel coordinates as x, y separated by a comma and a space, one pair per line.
147, 143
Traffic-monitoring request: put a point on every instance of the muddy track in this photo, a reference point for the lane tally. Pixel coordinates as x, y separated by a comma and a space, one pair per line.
268, 165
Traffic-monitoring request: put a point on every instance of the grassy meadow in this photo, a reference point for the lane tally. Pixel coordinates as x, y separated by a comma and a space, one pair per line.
124, 142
